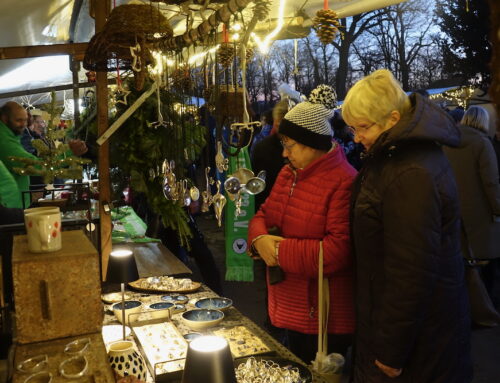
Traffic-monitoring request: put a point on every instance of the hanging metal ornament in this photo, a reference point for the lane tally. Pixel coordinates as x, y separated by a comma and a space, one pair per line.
169, 180
219, 202
160, 122
194, 193
206, 194
221, 162
255, 185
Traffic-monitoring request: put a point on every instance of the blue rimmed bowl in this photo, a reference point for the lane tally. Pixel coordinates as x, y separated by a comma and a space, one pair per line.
160, 310
175, 298
217, 303
131, 307
200, 319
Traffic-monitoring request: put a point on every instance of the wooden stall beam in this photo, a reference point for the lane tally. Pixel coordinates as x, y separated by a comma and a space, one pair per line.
101, 11
50, 89
77, 50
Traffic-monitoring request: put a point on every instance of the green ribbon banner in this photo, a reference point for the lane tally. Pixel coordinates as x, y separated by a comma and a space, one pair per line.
239, 266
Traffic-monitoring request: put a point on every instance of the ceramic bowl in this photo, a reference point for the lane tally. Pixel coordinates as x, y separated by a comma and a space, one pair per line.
175, 298
200, 319
217, 303
160, 310
131, 307
192, 336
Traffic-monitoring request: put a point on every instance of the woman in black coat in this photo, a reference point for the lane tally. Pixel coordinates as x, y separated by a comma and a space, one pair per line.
412, 310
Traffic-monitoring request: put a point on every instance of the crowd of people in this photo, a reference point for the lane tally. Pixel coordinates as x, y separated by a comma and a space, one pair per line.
395, 191
394, 235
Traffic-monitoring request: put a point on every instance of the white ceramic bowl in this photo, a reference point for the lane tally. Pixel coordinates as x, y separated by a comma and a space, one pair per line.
131, 307
200, 319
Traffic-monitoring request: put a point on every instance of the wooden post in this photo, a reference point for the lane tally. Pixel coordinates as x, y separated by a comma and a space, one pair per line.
102, 124
75, 68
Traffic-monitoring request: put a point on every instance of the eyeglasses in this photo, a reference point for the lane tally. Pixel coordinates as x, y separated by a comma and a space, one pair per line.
287, 147
361, 129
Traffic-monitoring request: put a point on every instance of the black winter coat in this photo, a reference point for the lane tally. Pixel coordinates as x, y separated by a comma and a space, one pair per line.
411, 302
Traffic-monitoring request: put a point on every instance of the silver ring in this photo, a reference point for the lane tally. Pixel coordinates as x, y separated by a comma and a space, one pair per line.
35, 376
72, 360
77, 346
33, 364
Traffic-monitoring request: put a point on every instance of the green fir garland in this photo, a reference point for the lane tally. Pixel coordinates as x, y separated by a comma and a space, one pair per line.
140, 149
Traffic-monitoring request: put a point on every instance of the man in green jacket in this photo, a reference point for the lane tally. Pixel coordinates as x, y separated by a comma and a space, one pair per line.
13, 120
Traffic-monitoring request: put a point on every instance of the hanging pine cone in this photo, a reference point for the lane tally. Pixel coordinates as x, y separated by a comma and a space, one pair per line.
249, 52
326, 24
225, 54
261, 9
181, 79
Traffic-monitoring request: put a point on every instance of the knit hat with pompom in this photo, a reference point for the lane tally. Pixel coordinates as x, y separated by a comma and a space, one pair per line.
309, 122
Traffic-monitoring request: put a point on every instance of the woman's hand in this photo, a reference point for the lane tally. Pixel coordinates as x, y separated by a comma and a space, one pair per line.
389, 371
266, 247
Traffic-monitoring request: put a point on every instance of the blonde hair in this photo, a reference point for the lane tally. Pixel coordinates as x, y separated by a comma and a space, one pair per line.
374, 97
476, 117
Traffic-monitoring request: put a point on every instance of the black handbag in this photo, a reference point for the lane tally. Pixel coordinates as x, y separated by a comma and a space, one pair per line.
482, 310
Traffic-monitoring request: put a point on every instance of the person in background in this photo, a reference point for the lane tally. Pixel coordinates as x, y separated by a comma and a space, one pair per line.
476, 171
13, 120
457, 114
265, 130
412, 311
308, 204
266, 154
345, 138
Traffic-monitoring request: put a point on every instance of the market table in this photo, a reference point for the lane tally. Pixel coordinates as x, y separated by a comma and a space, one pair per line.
170, 370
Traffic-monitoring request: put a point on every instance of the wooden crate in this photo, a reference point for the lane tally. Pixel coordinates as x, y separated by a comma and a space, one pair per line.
56, 294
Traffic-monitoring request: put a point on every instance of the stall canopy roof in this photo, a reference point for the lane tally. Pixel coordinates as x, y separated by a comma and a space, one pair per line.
44, 22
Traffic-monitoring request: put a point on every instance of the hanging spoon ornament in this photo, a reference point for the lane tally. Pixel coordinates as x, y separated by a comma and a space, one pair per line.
206, 194
221, 162
219, 202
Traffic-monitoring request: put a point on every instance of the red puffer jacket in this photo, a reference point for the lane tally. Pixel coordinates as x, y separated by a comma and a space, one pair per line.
308, 206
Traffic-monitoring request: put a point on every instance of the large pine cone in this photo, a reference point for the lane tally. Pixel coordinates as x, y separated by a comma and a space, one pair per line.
225, 54
326, 25
261, 9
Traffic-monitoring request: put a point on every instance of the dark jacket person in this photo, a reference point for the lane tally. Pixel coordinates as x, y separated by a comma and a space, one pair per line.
411, 303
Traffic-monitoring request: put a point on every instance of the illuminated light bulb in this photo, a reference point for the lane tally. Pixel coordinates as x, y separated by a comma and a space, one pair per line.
235, 36
264, 44
121, 253
236, 27
208, 343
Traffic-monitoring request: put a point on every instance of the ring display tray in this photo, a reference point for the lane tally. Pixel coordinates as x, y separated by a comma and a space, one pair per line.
163, 348
243, 342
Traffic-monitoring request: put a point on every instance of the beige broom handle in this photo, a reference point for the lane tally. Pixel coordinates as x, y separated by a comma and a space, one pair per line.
323, 305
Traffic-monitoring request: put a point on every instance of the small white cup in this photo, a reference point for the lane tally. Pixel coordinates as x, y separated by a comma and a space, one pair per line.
43, 226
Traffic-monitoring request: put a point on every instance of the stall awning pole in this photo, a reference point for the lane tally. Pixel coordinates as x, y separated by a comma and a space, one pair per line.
102, 125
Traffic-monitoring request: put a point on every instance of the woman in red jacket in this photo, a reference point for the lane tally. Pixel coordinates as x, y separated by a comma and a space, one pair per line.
309, 203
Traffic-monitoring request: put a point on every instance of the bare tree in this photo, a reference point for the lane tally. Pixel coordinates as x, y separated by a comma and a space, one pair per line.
403, 35
352, 29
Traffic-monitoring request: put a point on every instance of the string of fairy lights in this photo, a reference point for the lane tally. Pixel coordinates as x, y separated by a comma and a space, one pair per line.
459, 96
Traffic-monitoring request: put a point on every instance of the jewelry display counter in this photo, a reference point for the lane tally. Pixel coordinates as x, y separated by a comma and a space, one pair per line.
163, 345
